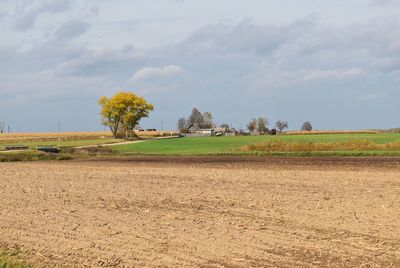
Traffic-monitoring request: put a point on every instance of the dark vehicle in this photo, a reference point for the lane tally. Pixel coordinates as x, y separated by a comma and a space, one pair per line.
151, 129
15, 147
48, 149
273, 131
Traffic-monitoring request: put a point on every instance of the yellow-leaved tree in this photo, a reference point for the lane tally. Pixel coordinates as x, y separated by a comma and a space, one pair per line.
122, 112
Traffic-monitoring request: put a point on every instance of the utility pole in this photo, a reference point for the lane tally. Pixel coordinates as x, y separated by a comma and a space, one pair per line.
59, 133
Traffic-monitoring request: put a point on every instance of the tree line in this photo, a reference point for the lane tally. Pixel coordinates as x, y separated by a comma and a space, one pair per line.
198, 120
123, 112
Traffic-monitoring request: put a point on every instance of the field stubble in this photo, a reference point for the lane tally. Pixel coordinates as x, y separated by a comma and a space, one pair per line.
200, 212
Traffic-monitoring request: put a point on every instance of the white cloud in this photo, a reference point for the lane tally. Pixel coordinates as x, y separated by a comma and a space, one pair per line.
317, 75
148, 73
371, 96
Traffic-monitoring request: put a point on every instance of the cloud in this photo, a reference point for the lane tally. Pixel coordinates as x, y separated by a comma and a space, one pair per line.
383, 2
265, 58
47, 86
318, 75
248, 37
148, 73
217, 66
271, 78
71, 29
27, 13
103, 62
54, 6
371, 96
95, 11
54, 70
26, 22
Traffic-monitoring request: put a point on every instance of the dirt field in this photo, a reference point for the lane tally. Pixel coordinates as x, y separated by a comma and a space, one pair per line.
175, 212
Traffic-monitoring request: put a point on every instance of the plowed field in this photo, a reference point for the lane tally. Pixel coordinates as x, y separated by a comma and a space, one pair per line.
231, 212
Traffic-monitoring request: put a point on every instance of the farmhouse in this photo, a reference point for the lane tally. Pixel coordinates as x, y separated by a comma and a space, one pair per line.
138, 128
206, 132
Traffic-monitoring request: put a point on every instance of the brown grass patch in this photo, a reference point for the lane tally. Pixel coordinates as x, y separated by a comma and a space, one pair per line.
50, 136
283, 146
53, 136
314, 132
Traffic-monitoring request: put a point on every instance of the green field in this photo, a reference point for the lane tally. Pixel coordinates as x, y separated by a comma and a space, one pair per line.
232, 145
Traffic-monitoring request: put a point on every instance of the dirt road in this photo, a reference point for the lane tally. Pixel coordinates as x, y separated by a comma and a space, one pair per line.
276, 213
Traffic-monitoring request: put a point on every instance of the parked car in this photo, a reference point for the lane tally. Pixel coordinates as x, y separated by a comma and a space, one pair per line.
48, 149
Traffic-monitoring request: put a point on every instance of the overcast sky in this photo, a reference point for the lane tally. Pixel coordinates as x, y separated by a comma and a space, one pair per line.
334, 63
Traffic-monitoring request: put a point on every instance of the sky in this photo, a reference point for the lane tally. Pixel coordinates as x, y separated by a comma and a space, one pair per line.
334, 63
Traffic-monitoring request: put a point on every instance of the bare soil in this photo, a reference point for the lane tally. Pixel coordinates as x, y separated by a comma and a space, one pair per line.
203, 212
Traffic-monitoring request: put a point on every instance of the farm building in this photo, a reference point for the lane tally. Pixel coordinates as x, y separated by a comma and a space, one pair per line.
204, 132
137, 128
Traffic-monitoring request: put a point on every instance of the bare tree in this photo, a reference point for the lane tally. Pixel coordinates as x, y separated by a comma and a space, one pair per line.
281, 125
2, 127
196, 119
307, 126
262, 124
252, 125
208, 120
225, 125
183, 125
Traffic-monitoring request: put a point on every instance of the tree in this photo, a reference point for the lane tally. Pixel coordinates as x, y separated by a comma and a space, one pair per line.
123, 112
281, 125
306, 126
195, 119
2, 127
225, 125
252, 125
183, 125
207, 120
262, 124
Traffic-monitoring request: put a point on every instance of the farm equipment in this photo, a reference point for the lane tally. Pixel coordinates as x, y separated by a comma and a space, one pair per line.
219, 134
15, 147
48, 149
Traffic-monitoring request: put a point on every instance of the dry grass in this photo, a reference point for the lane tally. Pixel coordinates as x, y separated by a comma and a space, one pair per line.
283, 146
313, 132
50, 136
70, 136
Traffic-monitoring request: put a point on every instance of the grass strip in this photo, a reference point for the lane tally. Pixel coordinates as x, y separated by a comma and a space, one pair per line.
12, 259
